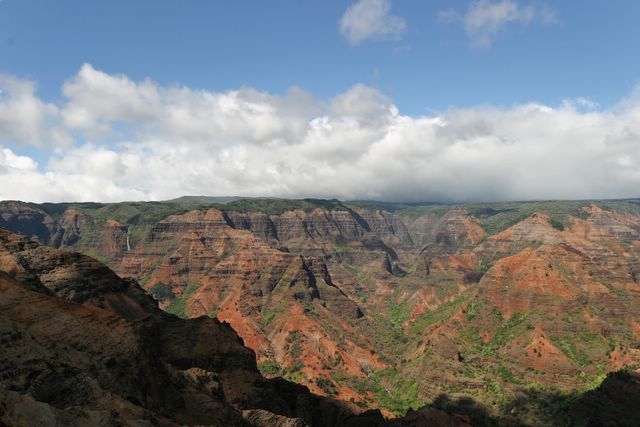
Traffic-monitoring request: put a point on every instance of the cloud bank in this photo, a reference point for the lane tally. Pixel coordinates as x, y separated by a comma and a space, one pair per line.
371, 19
112, 139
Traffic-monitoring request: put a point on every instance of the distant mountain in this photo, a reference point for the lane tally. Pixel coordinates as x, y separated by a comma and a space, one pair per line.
519, 307
204, 199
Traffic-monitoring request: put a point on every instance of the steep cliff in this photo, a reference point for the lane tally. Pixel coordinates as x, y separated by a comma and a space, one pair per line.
275, 299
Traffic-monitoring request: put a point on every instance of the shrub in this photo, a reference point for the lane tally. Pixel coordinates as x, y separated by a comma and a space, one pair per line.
472, 309
557, 223
179, 306
472, 277
326, 385
269, 368
162, 292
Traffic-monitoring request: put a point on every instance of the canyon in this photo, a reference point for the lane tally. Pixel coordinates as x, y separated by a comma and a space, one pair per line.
510, 313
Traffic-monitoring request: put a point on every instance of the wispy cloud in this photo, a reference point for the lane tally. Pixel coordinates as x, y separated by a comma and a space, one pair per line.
485, 19
141, 140
371, 19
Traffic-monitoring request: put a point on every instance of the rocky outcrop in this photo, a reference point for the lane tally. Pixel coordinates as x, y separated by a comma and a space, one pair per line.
262, 418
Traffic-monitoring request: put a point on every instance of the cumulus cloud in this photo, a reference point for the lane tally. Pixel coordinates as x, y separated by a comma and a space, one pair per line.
484, 19
97, 101
144, 141
24, 118
371, 19
21, 180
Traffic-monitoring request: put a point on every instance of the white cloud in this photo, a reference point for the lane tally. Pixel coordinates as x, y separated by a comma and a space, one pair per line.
371, 19
97, 100
21, 180
24, 118
9, 161
485, 19
181, 141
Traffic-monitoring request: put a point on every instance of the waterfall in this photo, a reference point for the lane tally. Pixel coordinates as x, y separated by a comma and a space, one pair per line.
128, 245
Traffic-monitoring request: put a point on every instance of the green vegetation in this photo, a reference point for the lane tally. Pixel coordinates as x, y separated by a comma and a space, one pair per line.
162, 292
398, 313
270, 311
390, 206
179, 306
472, 309
389, 389
203, 200
495, 390
267, 316
294, 342
507, 375
326, 385
557, 223
391, 340
278, 206
361, 277
583, 347
507, 332
438, 315
213, 311
269, 368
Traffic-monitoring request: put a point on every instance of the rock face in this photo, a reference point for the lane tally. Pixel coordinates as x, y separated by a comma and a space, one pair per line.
384, 309
74, 354
276, 300
320, 226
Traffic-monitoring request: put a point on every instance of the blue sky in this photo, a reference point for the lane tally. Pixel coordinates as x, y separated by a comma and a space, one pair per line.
379, 99
591, 51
